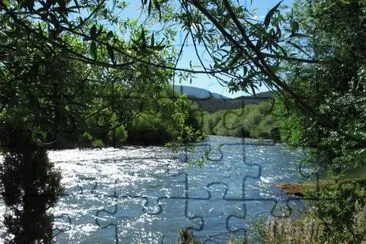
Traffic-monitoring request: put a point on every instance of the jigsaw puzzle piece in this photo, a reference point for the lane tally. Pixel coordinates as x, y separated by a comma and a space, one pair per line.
310, 173
62, 223
227, 163
220, 217
222, 163
172, 217
260, 192
231, 118
270, 159
138, 220
141, 212
126, 220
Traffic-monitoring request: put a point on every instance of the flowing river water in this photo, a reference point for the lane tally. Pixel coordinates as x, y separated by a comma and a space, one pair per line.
145, 194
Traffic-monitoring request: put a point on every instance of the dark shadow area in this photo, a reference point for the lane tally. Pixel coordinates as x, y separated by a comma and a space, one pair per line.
30, 187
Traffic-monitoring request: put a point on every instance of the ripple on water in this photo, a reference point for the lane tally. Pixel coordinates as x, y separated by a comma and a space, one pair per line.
98, 180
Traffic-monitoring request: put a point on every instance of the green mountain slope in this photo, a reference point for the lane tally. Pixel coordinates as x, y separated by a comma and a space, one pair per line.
253, 120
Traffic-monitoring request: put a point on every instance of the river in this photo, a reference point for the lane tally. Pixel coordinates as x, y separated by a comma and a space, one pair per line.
145, 194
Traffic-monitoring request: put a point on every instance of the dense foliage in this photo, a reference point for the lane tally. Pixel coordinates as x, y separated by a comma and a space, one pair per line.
335, 31
30, 186
60, 87
81, 74
336, 91
254, 120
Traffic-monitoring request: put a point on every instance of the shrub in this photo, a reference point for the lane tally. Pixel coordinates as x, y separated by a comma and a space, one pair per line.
97, 143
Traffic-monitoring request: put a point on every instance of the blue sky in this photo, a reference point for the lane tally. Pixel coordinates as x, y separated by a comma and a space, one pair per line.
260, 7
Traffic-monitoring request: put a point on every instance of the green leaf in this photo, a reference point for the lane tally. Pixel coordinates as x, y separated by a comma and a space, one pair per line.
93, 49
93, 31
294, 27
6, 2
245, 71
235, 59
111, 54
152, 42
158, 47
149, 8
299, 48
267, 19
110, 35
282, 50
157, 6
253, 87
100, 30
278, 32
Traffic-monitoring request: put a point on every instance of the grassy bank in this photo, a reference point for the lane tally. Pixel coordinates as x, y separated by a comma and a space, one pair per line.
308, 187
341, 197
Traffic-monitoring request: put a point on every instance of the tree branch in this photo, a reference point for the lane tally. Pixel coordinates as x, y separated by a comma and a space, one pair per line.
263, 66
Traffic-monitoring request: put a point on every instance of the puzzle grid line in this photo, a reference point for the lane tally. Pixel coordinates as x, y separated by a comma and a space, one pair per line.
187, 198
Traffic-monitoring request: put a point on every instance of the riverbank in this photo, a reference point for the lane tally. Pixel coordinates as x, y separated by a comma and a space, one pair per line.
346, 192
150, 142
300, 189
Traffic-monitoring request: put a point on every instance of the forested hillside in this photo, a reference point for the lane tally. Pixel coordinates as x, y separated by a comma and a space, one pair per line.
254, 121
213, 102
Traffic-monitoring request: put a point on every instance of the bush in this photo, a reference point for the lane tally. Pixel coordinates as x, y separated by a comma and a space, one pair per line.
254, 121
338, 217
118, 136
258, 230
341, 216
97, 143
186, 237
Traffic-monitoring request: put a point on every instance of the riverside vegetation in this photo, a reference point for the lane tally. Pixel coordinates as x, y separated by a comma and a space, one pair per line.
253, 121
333, 31
70, 73
337, 90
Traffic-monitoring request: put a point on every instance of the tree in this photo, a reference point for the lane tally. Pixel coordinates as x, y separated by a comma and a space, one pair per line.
51, 87
249, 53
30, 186
337, 92
314, 59
246, 53
38, 90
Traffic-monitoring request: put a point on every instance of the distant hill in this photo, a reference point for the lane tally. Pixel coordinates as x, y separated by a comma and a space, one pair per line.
195, 92
212, 102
